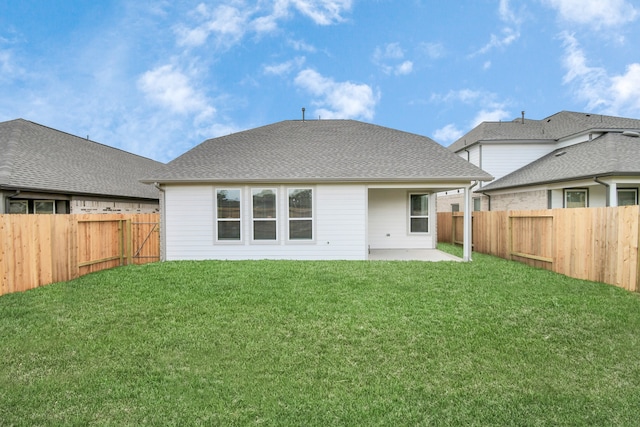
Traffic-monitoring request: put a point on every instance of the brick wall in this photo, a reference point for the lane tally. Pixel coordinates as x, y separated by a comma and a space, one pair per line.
97, 206
527, 200
444, 201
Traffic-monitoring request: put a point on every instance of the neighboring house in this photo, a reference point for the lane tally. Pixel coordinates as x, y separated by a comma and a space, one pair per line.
566, 160
43, 170
321, 189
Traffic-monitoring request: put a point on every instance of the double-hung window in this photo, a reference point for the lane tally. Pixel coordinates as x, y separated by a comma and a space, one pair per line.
627, 196
477, 204
264, 214
419, 213
18, 207
300, 214
576, 198
228, 214
44, 207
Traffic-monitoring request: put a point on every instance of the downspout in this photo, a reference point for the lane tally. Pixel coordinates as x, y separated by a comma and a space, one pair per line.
607, 186
163, 234
466, 240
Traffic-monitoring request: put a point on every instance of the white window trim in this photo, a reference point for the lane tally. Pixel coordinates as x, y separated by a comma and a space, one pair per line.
53, 206
631, 190
216, 219
575, 190
24, 203
289, 240
276, 219
410, 217
479, 201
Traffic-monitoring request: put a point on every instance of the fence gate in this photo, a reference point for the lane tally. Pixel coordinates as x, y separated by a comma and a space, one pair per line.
145, 241
110, 242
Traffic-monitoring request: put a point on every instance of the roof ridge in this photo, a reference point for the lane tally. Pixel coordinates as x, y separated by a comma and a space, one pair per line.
87, 139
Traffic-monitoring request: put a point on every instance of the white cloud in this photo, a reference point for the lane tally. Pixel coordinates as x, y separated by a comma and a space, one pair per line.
390, 59
390, 51
626, 90
228, 24
338, 100
466, 96
405, 68
507, 14
284, 67
508, 34
591, 82
8, 68
322, 12
172, 89
490, 109
448, 134
495, 114
433, 50
595, 13
616, 95
301, 46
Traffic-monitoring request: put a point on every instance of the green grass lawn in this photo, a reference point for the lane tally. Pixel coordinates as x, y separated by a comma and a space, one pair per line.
490, 342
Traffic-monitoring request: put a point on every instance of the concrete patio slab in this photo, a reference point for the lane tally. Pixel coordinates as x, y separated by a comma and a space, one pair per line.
410, 255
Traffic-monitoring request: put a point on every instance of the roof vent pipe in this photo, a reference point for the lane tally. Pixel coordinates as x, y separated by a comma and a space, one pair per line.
303, 113
523, 117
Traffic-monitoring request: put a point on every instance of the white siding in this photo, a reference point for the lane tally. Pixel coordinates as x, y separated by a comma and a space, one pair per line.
389, 221
472, 155
578, 139
597, 194
339, 225
188, 222
502, 159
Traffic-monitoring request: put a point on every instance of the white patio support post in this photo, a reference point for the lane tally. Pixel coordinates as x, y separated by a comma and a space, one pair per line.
613, 194
466, 239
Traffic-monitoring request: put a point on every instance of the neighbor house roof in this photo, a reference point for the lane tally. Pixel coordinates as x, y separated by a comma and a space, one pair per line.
318, 150
38, 158
612, 154
548, 130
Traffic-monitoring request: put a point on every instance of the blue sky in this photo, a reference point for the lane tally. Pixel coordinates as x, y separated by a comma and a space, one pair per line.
158, 77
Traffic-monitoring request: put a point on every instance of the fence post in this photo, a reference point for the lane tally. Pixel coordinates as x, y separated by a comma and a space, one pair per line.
121, 240
129, 242
637, 289
453, 228
510, 235
74, 267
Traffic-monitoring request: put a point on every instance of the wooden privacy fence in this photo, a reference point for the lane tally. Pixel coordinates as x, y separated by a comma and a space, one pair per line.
599, 244
37, 250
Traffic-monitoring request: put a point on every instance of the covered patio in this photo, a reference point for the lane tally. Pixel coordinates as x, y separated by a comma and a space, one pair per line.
391, 212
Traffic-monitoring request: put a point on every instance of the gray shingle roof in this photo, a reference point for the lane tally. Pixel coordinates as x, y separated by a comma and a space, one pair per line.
551, 129
611, 154
318, 150
36, 157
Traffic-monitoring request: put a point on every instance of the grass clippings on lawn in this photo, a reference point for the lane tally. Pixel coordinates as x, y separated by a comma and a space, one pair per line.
490, 342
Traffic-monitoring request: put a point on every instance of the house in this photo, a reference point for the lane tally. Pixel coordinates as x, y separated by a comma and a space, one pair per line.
320, 189
568, 159
43, 170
